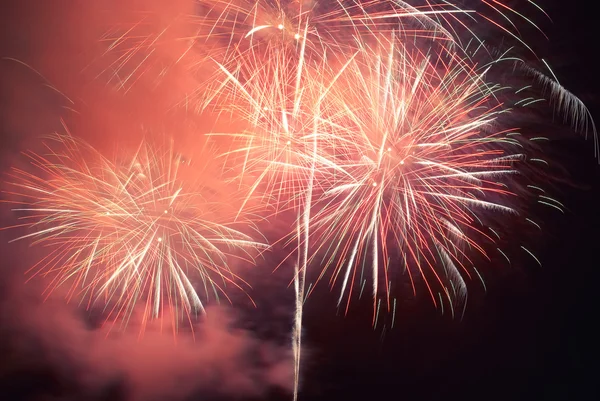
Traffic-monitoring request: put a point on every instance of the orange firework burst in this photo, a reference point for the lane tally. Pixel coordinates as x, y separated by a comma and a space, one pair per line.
131, 229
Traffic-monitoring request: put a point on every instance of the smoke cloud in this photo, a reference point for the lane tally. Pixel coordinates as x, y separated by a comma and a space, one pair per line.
80, 357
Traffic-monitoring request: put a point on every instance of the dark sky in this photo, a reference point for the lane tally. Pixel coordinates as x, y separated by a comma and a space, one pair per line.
531, 336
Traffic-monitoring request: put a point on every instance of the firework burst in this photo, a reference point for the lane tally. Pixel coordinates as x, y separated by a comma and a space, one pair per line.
137, 229
185, 46
423, 156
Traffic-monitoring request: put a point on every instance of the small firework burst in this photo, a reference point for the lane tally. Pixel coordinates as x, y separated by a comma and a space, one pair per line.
129, 230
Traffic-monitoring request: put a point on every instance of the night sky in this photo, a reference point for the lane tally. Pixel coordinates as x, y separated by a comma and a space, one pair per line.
531, 336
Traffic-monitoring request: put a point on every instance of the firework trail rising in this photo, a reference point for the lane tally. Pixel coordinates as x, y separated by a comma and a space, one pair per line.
128, 230
281, 150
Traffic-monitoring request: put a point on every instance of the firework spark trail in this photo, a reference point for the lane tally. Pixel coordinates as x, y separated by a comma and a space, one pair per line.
303, 246
128, 231
281, 100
